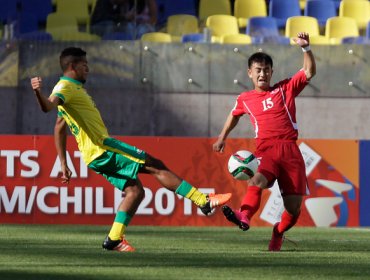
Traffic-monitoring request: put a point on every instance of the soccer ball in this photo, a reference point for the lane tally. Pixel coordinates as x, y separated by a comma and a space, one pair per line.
242, 165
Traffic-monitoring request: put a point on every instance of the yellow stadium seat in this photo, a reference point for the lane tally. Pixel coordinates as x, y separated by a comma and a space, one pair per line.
76, 8
245, 9
92, 4
159, 37
302, 4
297, 24
221, 25
58, 24
80, 37
358, 10
213, 7
337, 28
179, 25
236, 39
64, 27
319, 40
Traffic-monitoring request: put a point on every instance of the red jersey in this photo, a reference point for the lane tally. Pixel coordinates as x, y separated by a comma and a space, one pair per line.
273, 113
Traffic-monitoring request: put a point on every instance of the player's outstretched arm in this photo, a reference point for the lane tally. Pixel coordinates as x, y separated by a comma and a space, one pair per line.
229, 125
309, 64
60, 138
46, 104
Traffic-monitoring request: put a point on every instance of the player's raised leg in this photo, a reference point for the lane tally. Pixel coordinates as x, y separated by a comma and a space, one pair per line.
172, 182
250, 203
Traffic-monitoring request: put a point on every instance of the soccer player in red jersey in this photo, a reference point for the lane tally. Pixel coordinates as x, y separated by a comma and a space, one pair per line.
272, 112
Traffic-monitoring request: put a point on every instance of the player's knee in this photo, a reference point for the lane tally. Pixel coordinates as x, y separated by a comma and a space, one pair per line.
293, 209
258, 180
136, 191
155, 163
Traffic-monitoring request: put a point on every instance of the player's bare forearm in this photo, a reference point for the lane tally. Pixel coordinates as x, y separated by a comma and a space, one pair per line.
229, 125
60, 138
309, 64
46, 104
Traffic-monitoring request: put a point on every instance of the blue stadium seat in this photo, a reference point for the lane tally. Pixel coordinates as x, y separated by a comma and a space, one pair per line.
40, 8
168, 8
193, 37
265, 30
368, 30
321, 10
27, 23
123, 36
8, 11
361, 40
283, 9
35, 36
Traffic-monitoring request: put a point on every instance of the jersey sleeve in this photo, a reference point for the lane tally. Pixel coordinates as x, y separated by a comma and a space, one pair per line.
238, 109
295, 84
62, 91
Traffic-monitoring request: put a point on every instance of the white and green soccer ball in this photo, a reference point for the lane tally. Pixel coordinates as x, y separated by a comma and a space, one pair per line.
242, 165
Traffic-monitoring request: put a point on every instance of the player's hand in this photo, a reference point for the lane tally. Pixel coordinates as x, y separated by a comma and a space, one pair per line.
36, 83
302, 39
219, 146
66, 174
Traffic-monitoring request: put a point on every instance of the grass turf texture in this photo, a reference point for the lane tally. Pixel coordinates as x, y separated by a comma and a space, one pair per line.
74, 252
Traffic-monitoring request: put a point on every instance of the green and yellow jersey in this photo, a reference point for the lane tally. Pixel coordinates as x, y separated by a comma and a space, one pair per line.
82, 117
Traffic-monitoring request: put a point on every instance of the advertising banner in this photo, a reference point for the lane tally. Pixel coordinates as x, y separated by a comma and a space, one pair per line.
31, 190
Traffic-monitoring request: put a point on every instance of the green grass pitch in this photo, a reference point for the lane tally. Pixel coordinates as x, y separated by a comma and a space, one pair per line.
74, 252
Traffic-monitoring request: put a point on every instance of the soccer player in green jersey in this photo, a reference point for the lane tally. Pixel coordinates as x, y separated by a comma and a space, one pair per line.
117, 161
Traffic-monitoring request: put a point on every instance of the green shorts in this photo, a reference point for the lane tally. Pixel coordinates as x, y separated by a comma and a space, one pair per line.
119, 163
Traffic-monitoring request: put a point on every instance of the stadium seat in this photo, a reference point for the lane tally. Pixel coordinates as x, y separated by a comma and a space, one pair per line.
321, 10
92, 4
265, 30
236, 39
27, 22
319, 40
245, 9
195, 38
221, 25
368, 30
8, 11
63, 27
339, 27
79, 9
119, 36
159, 37
361, 40
80, 37
57, 24
39, 8
35, 36
283, 9
301, 24
302, 4
358, 10
179, 25
213, 7
178, 7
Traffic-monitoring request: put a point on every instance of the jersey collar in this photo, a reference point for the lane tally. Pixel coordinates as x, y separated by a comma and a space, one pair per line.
71, 80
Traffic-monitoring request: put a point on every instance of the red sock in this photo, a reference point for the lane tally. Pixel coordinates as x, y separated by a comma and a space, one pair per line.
251, 201
287, 221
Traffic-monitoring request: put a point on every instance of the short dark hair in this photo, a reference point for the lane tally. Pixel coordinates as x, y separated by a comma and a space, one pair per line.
71, 55
260, 57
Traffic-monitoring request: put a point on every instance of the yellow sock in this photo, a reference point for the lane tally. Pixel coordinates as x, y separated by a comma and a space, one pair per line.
120, 223
116, 231
197, 197
188, 191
